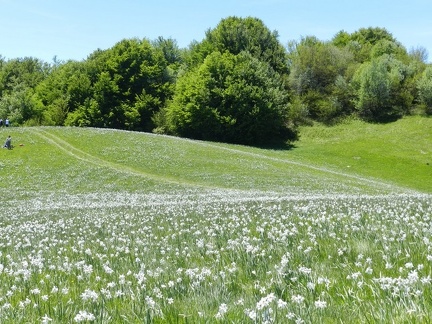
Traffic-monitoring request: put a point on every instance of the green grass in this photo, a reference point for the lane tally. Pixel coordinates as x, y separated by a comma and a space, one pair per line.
399, 152
128, 227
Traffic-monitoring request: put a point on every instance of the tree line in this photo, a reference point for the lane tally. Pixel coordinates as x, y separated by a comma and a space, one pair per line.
238, 85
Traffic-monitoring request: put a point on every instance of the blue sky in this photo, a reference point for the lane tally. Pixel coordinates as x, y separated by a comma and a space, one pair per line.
74, 29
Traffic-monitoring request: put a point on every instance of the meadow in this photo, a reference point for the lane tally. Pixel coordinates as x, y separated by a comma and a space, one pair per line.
106, 226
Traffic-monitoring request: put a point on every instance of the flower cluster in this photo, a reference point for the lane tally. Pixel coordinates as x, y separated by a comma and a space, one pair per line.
218, 256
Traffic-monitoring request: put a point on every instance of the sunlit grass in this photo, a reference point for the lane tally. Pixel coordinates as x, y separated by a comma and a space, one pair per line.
363, 258
118, 227
398, 152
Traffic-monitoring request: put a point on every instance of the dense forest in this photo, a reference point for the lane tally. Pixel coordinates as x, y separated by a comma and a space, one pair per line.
240, 84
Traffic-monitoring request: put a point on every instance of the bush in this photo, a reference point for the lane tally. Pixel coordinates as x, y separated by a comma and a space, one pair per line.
231, 98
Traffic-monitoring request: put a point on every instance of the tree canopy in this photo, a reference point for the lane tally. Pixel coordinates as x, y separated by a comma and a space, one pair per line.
240, 84
235, 90
231, 98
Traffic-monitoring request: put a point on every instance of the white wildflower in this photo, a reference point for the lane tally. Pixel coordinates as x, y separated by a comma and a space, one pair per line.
89, 295
35, 291
310, 285
298, 299
84, 316
223, 308
46, 319
320, 304
281, 303
409, 265
251, 314
107, 269
290, 315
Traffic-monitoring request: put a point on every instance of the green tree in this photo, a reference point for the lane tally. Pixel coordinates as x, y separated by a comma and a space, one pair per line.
361, 42
231, 98
27, 71
424, 87
129, 83
380, 87
20, 105
372, 35
170, 51
366, 38
341, 39
235, 35
320, 77
385, 46
232, 87
419, 53
64, 90
18, 79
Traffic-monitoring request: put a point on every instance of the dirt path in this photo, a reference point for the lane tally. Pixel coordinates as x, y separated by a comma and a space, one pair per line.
369, 181
87, 157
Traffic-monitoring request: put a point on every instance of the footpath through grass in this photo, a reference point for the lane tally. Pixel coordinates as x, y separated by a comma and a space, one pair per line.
105, 226
399, 152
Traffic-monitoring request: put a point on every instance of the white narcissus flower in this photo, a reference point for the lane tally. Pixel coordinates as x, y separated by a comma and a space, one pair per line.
84, 316
46, 319
320, 304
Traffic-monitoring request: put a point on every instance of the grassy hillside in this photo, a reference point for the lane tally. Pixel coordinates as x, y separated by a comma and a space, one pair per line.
358, 156
399, 152
111, 226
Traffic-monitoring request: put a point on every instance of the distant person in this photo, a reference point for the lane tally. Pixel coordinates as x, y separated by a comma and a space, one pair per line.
8, 143
7, 122
1, 122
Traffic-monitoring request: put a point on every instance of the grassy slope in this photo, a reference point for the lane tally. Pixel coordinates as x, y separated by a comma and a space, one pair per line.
399, 152
57, 190
89, 160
